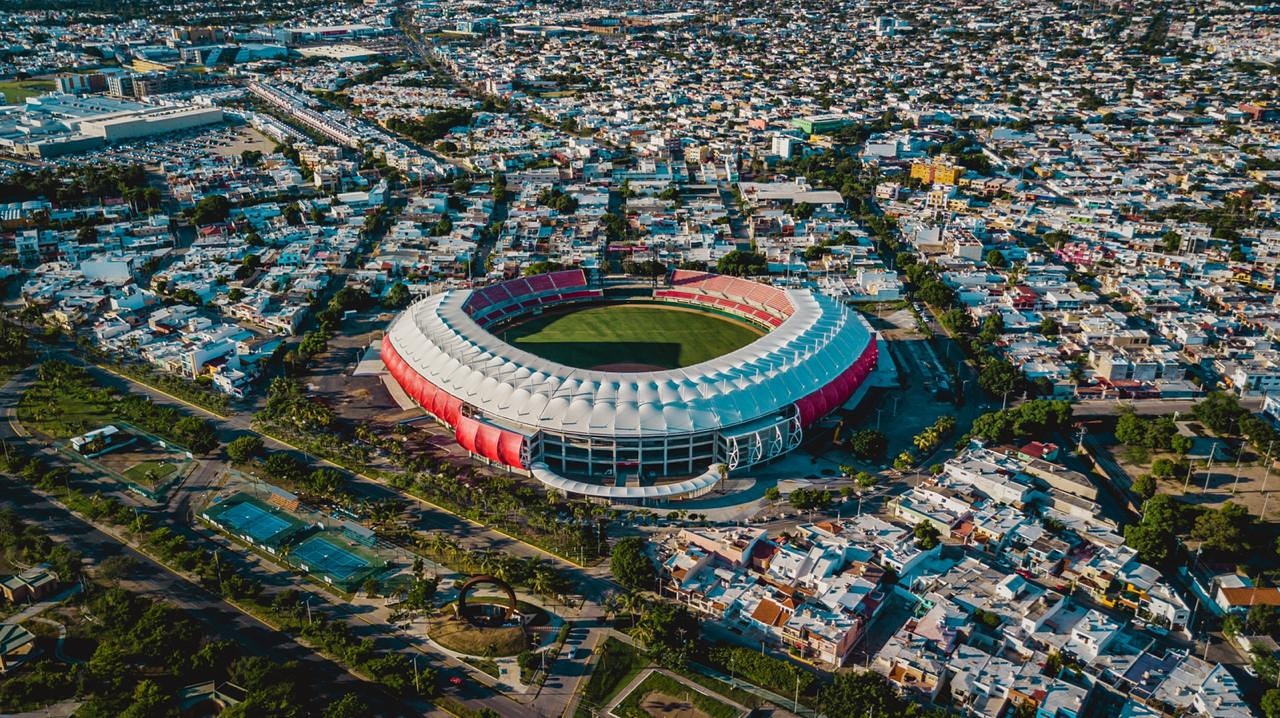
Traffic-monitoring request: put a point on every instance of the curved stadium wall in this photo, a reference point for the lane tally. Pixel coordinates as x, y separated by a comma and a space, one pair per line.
576, 429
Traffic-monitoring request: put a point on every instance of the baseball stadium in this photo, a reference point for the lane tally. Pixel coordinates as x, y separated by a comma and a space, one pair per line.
648, 396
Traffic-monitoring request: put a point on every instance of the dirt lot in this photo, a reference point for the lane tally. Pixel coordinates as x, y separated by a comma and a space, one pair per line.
141, 452
1237, 478
661, 705
246, 138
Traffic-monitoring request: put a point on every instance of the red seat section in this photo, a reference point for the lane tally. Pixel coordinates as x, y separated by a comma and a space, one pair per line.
540, 283
568, 278
735, 294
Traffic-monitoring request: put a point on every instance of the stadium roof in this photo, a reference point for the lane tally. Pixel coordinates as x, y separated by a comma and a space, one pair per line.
807, 352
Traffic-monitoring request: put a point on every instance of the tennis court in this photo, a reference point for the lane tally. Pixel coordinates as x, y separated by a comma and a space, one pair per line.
252, 519
323, 554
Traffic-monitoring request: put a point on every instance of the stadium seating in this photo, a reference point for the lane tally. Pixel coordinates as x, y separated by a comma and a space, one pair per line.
514, 297
750, 300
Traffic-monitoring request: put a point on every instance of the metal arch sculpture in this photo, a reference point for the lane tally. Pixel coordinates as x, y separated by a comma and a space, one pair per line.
471, 583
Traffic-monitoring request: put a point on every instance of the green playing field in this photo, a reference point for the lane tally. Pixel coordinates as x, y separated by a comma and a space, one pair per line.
630, 337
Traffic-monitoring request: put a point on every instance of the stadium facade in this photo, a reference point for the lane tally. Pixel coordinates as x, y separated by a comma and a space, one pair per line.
629, 435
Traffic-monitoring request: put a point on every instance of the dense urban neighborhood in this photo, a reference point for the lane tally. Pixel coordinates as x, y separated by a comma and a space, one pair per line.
641, 360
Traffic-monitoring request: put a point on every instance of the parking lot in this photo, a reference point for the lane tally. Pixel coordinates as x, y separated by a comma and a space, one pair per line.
216, 140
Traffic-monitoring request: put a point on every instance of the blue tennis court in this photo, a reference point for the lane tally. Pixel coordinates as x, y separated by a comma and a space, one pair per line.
251, 520
322, 554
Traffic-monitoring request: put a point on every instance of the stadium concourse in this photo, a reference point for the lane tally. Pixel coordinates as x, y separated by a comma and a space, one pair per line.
635, 436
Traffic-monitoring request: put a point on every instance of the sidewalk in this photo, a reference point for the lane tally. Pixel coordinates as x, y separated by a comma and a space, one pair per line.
36, 609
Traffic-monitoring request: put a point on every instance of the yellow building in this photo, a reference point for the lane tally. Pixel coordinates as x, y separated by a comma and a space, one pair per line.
141, 65
939, 171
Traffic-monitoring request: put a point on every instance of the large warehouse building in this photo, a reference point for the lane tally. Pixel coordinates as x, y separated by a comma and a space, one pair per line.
629, 435
56, 124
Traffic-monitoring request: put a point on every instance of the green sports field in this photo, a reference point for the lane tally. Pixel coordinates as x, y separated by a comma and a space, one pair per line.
628, 337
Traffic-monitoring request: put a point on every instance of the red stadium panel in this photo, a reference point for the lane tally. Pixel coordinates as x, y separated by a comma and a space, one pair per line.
821, 402
511, 449
487, 441
466, 432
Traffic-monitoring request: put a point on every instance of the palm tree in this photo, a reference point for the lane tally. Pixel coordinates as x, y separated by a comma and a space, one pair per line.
489, 562
633, 603
542, 582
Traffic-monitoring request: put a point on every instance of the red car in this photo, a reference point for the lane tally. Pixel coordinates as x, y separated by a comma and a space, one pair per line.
456, 680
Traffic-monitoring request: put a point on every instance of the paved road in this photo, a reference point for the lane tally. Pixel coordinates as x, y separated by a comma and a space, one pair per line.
367, 621
592, 583
221, 620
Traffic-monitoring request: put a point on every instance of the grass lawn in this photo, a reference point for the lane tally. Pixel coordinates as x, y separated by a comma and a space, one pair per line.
614, 334
66, 413
150, 473
661, 696
17, 91
616, 664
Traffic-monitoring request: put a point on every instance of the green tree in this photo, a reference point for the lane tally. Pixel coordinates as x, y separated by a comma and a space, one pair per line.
992, 328
927, 535
348, 706
1219, 411
1154, 536
211, 210
1224, 529
198, 434
936, 294
742, 264
244, 448
803, 499
1263, 620
541, 268
999, 377
869, 444
148, 701
631, 565
1271, 703
996, 259
398, 297
862, 693
1144, 487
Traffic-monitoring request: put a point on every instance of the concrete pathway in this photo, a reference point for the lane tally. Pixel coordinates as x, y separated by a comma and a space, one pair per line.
65, 709
62, 639
40, 607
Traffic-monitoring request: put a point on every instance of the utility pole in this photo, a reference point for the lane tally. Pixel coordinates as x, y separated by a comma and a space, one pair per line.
1208, 468
1240, 456
1266, 479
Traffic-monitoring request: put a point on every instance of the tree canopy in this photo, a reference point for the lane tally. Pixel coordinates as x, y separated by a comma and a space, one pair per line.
631, 565
742, 264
